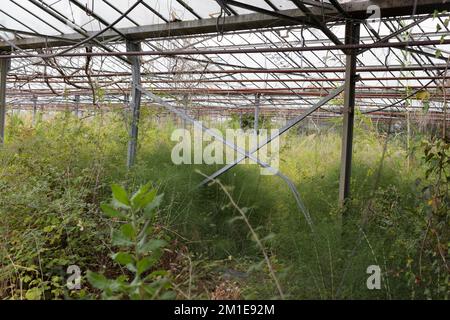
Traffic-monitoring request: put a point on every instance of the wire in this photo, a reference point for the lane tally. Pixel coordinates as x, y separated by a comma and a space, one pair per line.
220, 26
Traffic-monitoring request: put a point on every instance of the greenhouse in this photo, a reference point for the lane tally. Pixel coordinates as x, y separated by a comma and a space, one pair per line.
224, 150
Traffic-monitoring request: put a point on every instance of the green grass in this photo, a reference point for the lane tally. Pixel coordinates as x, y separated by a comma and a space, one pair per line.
54, 176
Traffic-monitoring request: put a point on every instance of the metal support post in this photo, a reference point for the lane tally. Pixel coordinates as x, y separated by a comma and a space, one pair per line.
77, 105
257, 104
135, 102
352, 32
4, 67
34, 99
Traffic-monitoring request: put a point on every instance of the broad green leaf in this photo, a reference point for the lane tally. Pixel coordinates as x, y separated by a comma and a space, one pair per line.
138, 195
119, 239
98, 280
131, 267
145, 199
33, 294
117, 284
128, 231
111, 212
153, 205
142, 190
151, 245
123, 258
120, 194
144, 264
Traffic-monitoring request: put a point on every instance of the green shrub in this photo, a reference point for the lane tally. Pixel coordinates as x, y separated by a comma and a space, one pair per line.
139, 252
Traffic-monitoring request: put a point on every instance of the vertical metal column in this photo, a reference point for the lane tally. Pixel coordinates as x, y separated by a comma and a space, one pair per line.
408, 140
185, 106
126, 100
352, 32
34, 99
257, 104
135, 102
77, 105
4, 67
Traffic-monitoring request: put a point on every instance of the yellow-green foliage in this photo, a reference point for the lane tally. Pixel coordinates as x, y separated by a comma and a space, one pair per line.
54, 176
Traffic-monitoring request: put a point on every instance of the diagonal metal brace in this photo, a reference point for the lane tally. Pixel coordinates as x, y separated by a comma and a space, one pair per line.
288, 126
199, 125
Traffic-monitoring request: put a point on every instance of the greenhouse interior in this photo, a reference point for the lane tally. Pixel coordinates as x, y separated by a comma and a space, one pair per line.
224, 150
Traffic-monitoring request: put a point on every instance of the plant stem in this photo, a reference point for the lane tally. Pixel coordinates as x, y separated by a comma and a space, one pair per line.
255, 236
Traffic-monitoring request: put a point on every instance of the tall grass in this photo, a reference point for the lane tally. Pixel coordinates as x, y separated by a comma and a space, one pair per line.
54, 176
